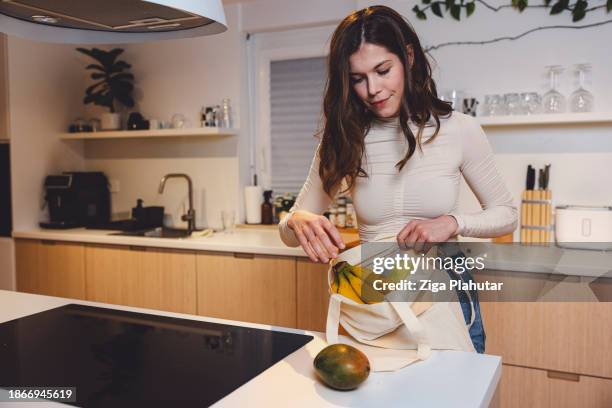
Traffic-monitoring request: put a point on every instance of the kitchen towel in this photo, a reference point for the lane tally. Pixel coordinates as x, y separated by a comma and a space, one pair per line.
253, 197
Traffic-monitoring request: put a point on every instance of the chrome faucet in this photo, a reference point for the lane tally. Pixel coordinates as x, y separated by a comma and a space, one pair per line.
190, 216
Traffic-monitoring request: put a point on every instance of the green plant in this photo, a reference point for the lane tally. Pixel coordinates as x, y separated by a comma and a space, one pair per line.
112, 82
578, 9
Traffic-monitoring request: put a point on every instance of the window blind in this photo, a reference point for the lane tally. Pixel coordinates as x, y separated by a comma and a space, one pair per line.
296, 98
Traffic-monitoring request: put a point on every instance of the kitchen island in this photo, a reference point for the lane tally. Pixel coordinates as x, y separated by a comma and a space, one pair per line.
447, 378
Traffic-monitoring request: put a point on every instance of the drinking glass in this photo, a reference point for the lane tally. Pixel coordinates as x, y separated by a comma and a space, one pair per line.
229, 221
512, 103
581, 100
553, 101
497, 105
455, 97
531, 103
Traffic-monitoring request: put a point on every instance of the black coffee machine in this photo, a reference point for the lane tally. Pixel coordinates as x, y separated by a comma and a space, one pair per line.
77, 199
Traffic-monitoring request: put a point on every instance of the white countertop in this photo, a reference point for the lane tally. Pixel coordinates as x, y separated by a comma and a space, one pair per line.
253, 241
448, 378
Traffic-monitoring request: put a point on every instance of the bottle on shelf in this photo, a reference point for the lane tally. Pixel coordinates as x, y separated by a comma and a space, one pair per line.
226, 118
266, 209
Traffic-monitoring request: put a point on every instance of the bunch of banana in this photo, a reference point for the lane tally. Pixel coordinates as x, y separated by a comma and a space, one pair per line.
356, 282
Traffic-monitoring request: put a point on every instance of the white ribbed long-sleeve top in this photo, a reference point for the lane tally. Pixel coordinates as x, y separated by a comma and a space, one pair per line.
427, 187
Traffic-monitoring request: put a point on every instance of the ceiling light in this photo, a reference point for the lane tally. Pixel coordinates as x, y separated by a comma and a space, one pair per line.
45, 19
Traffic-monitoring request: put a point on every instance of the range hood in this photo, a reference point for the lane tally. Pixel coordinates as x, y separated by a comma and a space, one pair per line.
110, 21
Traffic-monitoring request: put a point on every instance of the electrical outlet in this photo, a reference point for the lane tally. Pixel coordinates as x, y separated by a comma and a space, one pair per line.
115, 186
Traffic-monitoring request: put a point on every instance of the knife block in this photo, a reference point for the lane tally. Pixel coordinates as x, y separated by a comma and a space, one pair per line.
536, 217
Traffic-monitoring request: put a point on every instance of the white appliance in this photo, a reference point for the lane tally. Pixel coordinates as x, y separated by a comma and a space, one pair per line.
583, 227
111, 21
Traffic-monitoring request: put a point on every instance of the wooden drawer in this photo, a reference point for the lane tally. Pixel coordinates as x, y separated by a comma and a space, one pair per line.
50, 268
312, 295
142, 277
565, 336
247, 287
526, 387
571, 337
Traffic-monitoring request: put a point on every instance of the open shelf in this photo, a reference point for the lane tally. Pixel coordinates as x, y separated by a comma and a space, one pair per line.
155, 133
543, 119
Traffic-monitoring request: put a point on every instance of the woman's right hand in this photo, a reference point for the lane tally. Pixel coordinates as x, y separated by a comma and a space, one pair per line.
317, 235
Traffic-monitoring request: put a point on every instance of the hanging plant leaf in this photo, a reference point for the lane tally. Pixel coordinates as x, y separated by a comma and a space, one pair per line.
559, 6
577, 15
579, 10
98, 75
449, 3
609, 6
581, 5
426, 1
419, 13
437, 10
547, 2
469, 8
521, 4
455, 11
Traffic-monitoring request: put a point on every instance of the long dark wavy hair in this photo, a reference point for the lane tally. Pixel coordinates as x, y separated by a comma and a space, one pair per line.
347, 119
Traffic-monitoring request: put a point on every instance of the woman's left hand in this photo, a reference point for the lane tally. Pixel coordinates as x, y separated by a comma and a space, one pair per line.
422, 234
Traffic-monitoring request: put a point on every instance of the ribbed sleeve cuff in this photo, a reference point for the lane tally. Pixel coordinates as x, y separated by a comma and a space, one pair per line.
460, 223
287, 235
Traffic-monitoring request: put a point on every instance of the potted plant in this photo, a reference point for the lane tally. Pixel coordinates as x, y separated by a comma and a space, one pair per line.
112, 84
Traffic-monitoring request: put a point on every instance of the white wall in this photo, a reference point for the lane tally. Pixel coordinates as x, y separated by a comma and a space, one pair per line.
43, 98
579, 155
184, 75
180, 76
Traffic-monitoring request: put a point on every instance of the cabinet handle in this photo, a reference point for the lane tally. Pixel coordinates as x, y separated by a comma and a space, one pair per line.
243, 255
559, 375
47, 242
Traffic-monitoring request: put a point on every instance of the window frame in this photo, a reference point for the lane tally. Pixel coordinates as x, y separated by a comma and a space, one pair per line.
266, 48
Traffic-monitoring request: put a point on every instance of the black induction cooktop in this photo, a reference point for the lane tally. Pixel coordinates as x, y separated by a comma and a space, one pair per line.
116, 358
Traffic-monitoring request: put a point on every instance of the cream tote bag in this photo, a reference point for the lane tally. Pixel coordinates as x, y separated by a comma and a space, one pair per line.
394, 334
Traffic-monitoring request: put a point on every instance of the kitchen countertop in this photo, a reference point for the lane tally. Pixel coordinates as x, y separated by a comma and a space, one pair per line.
254, 241
447, 378
266, 241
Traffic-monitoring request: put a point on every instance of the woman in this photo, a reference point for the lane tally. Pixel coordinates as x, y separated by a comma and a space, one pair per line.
396, 148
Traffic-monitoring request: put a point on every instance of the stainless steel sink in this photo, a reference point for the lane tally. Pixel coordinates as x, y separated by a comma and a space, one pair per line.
160, 232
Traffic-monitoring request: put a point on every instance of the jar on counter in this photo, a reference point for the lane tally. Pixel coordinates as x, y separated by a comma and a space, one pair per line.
351, 220
332, 215
341, 217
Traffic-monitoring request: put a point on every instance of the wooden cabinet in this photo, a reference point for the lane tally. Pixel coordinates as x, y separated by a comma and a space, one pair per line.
246, 287
571, 337
50, 268
560, 347
142, 277
312, 295
527, 387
